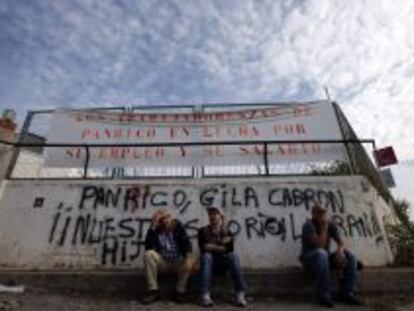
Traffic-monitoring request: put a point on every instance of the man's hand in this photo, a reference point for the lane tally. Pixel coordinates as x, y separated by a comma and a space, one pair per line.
322, 225
189, 264
227, 239
340, 258
214, 247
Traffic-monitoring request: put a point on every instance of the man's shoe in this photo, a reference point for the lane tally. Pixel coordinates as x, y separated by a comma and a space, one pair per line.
351, 299
180, 297
241, 299
206, 300
325, 302
152, 296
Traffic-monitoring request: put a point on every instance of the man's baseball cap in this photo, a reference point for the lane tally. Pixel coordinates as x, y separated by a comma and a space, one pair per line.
215, 208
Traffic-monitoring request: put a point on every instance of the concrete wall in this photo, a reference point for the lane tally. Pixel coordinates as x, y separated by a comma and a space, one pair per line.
101, 224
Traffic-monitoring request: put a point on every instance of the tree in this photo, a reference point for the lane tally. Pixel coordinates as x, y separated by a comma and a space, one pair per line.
401, 235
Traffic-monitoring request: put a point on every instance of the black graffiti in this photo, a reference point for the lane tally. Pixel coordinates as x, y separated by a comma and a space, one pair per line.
365, 225
132, 198
288, 227
87, 229
264, 226
122, 240
225, 196
287, 197
118, 252
295, 229
100, 196
120, 236
247, 196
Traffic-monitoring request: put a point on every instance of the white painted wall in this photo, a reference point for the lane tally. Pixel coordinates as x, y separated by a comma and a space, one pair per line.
38, 218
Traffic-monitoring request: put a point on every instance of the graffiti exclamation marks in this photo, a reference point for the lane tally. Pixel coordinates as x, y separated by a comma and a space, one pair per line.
90, 239
54, 225
64, 231
81, 228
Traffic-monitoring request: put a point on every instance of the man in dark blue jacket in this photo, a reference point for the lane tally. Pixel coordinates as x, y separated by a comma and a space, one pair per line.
167, 247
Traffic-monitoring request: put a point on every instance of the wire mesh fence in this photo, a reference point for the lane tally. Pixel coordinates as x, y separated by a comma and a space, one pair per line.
29, 159
31, 162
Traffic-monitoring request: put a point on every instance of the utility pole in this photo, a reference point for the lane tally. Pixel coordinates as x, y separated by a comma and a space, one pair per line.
327, 93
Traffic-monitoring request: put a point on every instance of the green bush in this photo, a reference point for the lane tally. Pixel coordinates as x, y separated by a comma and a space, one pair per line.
401, 235
336, 168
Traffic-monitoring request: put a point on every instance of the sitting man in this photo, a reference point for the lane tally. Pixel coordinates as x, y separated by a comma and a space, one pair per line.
167, 247
316, 236
216, 252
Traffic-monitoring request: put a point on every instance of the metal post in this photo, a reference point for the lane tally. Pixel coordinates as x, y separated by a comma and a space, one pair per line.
344, 137
85, 168
374, 148
328, 97
22, 137
266, 160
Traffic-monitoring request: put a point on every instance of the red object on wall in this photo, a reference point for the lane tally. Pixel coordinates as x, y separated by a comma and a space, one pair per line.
385, 156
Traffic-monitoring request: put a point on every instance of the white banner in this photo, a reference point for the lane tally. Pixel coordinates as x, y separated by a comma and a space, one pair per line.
287, 122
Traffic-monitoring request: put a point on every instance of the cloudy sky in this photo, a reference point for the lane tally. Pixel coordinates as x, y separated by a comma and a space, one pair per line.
105, 53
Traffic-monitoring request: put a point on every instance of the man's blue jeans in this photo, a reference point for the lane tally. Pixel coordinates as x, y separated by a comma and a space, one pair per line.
317, 261
232, 264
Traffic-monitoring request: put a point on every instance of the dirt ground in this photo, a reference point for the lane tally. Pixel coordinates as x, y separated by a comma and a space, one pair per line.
42, 300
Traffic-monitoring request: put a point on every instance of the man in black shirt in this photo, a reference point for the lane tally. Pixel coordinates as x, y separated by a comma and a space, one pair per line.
216, 251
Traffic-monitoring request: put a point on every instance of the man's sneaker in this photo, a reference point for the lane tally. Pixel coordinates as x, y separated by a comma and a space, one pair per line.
325, 302
206, 300
351, 299
241, 299
180, 297
152, 296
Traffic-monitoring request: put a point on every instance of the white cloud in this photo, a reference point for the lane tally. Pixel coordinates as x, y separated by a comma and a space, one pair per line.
88, 52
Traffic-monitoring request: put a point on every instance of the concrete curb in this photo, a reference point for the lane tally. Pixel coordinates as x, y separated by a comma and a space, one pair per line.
262, 283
